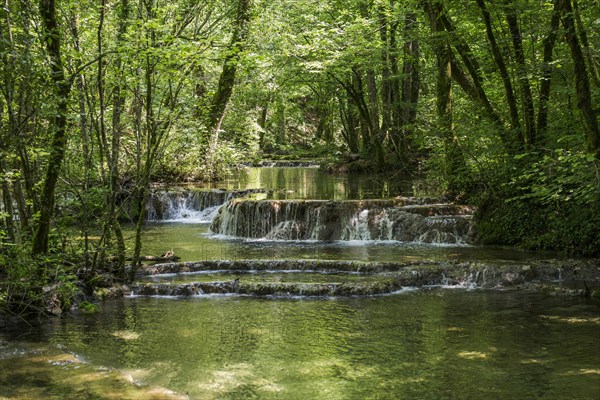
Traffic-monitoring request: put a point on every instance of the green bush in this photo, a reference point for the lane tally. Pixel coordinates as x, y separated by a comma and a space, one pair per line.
42, 285
551, 204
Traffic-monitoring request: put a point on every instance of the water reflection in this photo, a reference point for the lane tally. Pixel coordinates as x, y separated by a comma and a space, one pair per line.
426, 345
193, 242
312, 183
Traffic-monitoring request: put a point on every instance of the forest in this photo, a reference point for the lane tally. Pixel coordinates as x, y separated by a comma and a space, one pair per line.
496, 103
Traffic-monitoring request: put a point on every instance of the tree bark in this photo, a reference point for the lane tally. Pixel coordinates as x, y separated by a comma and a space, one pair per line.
262, 122
454, 163
410, 85
117, 131
528, 138
473, 87
546, 78
349, 119
376, 145
500, 63
227, 78
57, 126
386, 81
582, 83
590, 55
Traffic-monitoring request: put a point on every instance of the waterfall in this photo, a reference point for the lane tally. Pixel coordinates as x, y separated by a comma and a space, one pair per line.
192, 206
402, 219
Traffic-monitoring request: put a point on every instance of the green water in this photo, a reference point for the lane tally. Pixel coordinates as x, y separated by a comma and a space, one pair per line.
194, 242
417, 344
312, 183
439, 344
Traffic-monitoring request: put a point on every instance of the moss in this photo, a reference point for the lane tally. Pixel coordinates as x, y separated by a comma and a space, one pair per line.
569, 228
87, 307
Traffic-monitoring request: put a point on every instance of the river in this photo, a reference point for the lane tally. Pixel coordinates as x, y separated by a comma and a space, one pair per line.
429, 342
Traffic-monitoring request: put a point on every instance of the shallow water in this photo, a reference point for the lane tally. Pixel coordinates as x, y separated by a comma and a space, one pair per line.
415, 344
429, 344
312, 183
194, 242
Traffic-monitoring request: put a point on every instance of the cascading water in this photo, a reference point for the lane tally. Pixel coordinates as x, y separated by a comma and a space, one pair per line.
189, 206
401, 219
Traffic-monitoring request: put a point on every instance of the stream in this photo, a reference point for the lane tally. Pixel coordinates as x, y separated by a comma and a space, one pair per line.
317, 300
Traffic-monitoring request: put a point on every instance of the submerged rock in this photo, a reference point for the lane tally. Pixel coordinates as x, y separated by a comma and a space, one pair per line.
576, 278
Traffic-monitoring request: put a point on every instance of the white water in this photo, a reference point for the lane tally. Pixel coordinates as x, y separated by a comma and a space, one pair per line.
370, 221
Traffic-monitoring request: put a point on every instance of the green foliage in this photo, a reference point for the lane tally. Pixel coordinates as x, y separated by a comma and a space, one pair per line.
225, 156
553, 204
87, 307
560, 177
24, 290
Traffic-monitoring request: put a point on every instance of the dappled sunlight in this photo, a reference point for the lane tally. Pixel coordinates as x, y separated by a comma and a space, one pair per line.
584, 371
572, 320
473, 355
126, 335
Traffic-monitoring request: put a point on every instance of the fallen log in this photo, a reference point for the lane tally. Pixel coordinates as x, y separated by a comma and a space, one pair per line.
156, 258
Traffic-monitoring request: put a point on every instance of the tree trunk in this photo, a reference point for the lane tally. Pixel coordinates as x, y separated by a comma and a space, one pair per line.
8, 202
350, 116
117, 132
386, 81
546, 78
499, 60
472, 86
454, 163
410, 86
592, 57
227, 78
528, 138
262, 122
376, 146
235, 48
57, 126
582, 83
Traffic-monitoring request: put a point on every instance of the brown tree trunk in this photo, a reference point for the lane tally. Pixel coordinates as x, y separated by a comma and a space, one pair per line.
57, 126
262, 122
473, 84
582, 83
546, 78
454, 162
410, 84
376, 146
8, 202
117, 132
386, 80
227, 78
593, 59
499, 60
349, 120
526, 97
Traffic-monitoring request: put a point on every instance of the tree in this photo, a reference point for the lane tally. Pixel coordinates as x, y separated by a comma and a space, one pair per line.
227, 79
57, 126
589, 116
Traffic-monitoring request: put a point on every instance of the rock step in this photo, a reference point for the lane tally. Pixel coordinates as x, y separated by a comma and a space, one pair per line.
404, 219
575, 277
266, 288
282, 276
